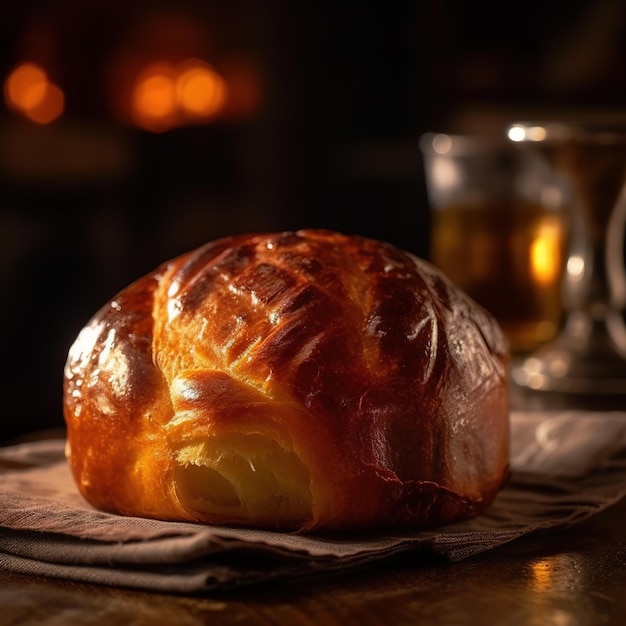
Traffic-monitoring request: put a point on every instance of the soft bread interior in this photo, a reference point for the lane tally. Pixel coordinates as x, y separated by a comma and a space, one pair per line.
245, 477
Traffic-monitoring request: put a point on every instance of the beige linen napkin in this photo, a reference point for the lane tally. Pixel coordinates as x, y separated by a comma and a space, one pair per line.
566, 467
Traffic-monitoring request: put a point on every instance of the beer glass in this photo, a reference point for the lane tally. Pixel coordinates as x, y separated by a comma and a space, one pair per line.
586, 362
499, 230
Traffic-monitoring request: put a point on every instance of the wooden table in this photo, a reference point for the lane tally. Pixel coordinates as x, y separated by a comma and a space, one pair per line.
575, 577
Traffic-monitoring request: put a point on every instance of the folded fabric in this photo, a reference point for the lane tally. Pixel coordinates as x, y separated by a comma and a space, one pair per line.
565, 467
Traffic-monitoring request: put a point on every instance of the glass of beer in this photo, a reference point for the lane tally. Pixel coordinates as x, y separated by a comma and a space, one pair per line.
585, 365
499, 230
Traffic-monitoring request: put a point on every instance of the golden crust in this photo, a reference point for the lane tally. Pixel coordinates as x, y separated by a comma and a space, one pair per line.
296, 381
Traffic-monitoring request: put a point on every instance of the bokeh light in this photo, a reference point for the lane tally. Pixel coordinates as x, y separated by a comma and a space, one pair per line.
165, 95
201, 91
28, 91
154, 97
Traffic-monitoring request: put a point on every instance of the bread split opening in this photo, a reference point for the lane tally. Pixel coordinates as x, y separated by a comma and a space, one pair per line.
243, 476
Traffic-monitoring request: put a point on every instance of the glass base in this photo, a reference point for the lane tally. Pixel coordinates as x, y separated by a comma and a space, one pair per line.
584, 367
586, 362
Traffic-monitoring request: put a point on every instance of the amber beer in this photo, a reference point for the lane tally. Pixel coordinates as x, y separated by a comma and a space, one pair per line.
510, 260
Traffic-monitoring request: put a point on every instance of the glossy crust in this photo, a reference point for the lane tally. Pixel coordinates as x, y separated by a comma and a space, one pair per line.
314, 380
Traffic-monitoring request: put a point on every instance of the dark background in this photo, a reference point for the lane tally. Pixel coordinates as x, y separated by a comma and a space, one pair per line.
344, 90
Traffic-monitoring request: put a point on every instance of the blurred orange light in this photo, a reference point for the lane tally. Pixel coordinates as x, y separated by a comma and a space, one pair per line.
25, 87
544, 254
50, 108
154, 97
201, 91
165, 95
28, 91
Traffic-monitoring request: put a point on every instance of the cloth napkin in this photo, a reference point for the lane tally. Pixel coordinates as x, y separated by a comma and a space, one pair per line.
566, 467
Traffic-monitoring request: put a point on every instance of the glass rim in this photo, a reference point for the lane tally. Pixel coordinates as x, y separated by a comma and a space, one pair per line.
600, 130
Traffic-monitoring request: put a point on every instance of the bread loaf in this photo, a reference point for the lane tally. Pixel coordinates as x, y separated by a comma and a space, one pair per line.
293, 381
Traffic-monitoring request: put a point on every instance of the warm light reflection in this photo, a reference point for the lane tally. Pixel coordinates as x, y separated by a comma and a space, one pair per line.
576, 267
516, 133
555, 573
442, 144
545, 254
28, 91
520, 132
557, 577
167, 95
446, 173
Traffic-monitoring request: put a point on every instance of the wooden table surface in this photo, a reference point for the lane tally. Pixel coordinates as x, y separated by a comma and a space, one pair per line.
575, 577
